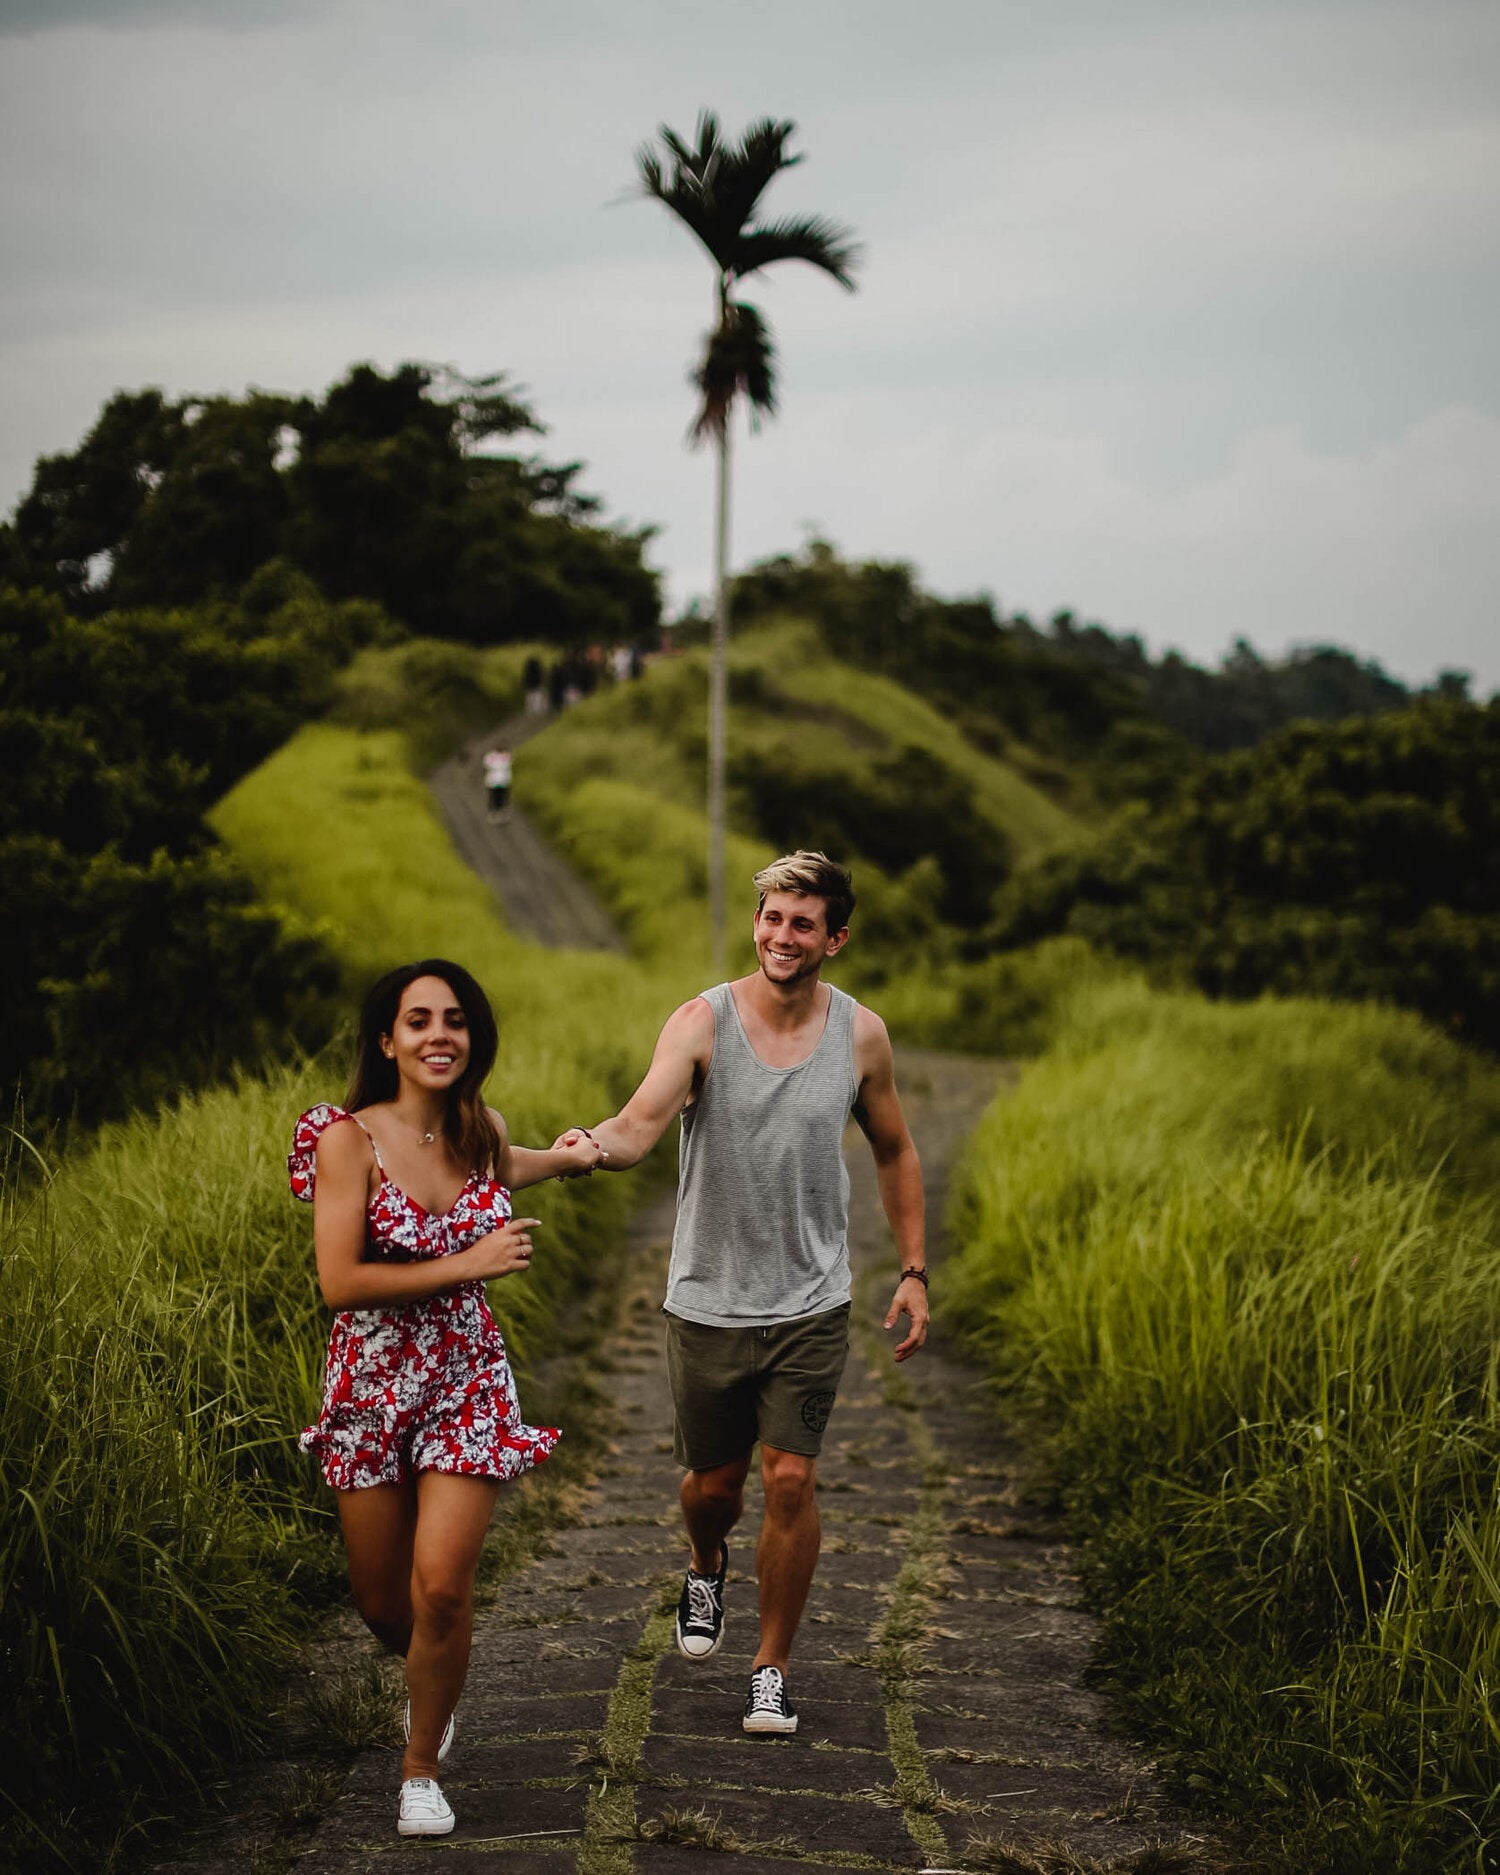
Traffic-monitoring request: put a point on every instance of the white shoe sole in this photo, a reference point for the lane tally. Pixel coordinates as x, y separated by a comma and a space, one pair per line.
697, 1653
769, 1722
425, 1826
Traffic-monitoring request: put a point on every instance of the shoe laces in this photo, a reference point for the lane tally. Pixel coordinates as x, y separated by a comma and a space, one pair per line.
765, 1686
703, 1603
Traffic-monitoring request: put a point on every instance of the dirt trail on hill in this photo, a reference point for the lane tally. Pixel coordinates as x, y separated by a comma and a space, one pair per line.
539, 893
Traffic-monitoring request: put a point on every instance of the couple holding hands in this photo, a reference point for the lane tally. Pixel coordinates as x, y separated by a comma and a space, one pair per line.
411, 1183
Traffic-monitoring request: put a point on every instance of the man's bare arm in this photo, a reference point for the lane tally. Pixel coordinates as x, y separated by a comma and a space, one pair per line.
898, 1172
683, 1051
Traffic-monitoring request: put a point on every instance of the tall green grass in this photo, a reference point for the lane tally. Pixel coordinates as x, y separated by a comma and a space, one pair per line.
1242, 1263
161, 1335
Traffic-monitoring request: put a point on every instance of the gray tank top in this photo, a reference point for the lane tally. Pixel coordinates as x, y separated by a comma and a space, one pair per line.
763, 1199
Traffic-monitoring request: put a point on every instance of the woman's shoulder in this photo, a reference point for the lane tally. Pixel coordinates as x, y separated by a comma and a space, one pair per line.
301, 1161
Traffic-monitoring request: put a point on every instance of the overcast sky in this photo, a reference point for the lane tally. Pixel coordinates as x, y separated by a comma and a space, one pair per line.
1179, 313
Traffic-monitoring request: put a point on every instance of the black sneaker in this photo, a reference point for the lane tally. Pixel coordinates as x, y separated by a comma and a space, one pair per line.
700, 1611
768, 1709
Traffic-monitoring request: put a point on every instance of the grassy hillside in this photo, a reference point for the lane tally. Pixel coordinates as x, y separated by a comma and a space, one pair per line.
820, 754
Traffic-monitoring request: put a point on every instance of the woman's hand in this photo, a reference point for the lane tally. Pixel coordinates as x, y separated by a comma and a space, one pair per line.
579, 1151
502, 1252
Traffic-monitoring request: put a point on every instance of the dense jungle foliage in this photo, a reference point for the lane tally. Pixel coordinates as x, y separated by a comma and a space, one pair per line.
384, 490
1354, 860
140, 960
185, 587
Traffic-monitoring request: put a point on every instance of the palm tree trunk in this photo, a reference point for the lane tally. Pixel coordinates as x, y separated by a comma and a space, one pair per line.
718, 710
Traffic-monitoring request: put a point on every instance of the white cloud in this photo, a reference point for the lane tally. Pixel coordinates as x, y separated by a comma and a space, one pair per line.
1396, 551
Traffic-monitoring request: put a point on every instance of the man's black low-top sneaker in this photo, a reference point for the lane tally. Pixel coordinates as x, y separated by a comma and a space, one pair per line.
768, 1709
700, 1611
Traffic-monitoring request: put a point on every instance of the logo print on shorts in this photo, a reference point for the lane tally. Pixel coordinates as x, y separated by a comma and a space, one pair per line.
815, 1410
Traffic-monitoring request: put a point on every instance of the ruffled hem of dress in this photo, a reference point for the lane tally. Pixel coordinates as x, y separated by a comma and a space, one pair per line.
517, 1453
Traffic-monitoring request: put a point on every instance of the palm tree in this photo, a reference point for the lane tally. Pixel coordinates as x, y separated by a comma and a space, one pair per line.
715, 189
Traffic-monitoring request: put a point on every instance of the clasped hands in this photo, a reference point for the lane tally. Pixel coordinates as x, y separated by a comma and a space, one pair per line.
587, 1151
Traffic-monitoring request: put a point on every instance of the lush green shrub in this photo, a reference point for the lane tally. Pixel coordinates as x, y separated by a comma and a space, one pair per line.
1358, 860
1240, 1262
139, 962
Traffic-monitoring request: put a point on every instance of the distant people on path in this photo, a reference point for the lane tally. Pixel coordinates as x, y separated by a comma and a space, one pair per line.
497, 780
764, 1072
534, 683
410, 1183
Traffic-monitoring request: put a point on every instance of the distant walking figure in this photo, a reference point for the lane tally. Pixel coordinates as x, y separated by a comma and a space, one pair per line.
497, 779
765, 1071
410, 1184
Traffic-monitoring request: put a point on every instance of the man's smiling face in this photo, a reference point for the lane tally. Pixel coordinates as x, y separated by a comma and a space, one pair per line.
792, 937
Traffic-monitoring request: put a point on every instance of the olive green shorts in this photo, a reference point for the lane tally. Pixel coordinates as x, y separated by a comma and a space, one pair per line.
732, 1386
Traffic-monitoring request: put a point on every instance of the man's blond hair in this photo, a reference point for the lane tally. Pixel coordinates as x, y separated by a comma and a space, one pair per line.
810, 875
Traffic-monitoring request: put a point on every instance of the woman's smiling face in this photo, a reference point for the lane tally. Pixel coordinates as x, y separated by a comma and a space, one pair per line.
429, 1041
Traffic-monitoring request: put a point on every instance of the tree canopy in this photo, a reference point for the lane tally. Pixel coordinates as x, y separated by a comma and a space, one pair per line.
386, 489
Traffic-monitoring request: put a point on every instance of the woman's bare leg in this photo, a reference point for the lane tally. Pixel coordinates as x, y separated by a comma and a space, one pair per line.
380, 1524
452, 1517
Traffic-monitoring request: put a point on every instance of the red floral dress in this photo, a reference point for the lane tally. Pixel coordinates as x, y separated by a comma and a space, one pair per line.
426, 1386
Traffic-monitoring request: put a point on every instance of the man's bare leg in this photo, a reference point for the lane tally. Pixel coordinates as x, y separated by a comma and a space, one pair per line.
790, 1537
712, 1500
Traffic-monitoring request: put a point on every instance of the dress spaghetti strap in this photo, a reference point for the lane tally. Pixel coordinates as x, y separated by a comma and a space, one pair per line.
369, 1136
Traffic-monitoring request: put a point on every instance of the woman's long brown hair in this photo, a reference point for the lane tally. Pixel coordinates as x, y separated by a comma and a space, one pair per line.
467, 1126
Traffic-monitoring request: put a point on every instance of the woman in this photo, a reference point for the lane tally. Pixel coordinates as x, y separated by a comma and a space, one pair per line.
410, 1184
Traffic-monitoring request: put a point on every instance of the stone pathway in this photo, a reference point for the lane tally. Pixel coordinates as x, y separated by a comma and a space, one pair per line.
939, 1673
540, 895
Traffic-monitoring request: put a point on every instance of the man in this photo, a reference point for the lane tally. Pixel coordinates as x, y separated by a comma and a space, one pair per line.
765, 1072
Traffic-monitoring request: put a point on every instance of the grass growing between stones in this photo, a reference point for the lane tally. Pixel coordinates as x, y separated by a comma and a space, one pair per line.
1242, 1261
898, 1642
609, 1824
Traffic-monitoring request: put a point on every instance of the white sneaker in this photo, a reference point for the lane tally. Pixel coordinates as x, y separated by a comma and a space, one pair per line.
424, 1811
446, 1744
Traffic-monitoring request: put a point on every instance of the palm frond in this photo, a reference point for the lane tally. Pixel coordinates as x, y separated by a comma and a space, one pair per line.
691, 187
813, 238
738, 360
750, 166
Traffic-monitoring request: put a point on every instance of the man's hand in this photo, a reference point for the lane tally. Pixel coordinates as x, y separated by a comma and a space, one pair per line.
910, 1300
